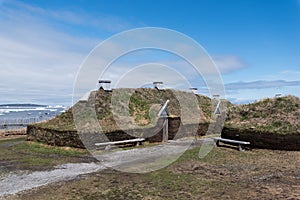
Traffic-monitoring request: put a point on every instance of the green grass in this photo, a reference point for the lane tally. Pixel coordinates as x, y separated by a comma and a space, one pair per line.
19, 139
35, 161
31, 155
39, 148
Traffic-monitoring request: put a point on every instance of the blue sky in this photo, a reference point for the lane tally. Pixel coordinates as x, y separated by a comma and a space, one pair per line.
255, 43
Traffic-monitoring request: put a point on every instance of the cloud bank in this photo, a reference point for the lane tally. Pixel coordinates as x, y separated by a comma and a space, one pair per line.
261, 84
41, 51
37, 61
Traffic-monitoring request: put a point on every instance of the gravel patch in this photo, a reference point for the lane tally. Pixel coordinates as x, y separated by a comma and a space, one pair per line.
14, 183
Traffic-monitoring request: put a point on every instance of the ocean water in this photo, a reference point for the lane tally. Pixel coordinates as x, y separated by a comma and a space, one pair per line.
14, 116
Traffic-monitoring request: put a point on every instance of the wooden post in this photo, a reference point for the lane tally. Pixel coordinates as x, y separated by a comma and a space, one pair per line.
164, 113
165, 130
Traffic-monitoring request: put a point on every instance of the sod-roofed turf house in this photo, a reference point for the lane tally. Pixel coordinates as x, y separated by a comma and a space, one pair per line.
110, 108
269, 123
132, 113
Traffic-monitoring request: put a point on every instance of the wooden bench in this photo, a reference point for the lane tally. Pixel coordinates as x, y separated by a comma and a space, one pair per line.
107, 145
241, 144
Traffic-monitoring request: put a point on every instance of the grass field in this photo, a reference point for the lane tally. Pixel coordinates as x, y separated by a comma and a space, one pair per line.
18, 154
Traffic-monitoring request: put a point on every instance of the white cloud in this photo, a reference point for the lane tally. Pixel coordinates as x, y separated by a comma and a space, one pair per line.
106, 22
37, 60
101, 21
288, 75
261, 84
147, 73
228, 63
241, 100
245, 92
175, 70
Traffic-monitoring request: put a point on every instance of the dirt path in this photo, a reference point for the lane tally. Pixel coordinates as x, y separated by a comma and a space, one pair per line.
144, 160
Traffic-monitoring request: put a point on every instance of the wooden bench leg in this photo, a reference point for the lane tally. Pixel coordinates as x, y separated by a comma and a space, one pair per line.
241, 147
108, 147
218, 143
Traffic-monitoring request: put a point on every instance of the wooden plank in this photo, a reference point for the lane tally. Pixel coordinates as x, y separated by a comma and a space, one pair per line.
231, 141
120, 142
